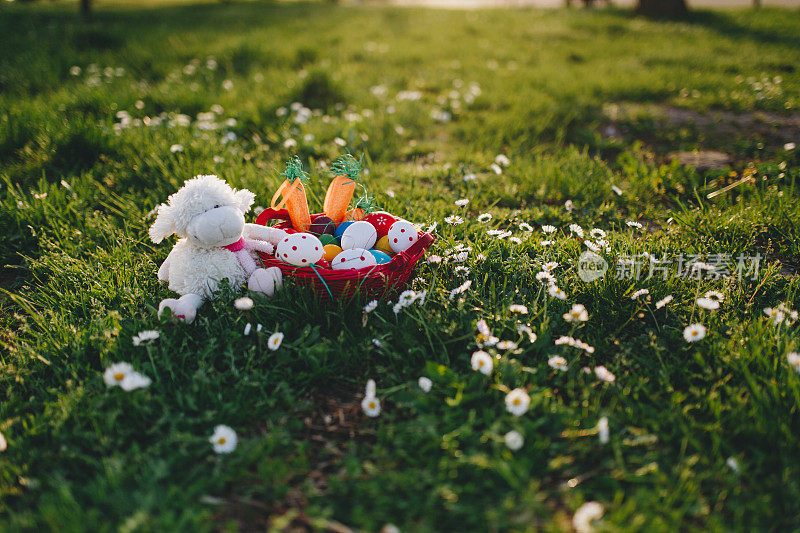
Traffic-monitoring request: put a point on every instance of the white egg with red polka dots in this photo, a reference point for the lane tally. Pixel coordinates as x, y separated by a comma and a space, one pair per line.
353, 258
402, 234
300, 249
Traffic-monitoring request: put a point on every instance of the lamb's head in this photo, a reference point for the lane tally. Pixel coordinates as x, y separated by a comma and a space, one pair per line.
206, 210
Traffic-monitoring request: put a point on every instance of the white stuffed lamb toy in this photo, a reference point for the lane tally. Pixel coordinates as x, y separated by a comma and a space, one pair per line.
215, 244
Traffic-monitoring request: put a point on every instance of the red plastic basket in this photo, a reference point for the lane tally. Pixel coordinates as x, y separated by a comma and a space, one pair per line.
380, 281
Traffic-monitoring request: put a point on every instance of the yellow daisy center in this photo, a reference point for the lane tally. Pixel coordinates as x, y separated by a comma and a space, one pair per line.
221, 440
516, 401
119, 376
372, 405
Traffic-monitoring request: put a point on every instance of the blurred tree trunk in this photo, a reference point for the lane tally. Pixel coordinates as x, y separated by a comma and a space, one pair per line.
756, 3
86, 7
662, 8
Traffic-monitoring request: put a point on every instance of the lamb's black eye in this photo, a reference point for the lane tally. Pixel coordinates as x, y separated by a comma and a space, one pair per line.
216, 206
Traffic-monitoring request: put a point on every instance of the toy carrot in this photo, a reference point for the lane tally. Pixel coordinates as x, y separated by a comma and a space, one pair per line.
364, 206
294, 194
345, 172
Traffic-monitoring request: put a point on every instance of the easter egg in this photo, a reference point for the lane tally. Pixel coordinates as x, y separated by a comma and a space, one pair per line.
381, 220
383, 245
341, 227
353, 258
331, 251
401, 235
380, 257
359, 235
322, 225
300, 249
327, 239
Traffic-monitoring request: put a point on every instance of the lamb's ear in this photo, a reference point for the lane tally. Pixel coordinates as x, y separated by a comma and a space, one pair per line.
245, 199
164, 226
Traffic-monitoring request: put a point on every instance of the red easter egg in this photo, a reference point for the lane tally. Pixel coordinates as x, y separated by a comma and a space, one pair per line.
381, 220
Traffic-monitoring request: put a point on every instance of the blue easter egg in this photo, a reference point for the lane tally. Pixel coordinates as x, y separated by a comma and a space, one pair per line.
341, 227
380, 257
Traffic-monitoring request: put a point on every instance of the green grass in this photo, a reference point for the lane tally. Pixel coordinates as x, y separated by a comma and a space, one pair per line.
538, 86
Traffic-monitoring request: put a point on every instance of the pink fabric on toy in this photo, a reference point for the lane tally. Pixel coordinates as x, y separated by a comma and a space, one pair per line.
235, 247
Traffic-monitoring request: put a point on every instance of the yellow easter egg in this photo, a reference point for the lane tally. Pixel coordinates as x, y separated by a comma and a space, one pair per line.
383, 245
331, 251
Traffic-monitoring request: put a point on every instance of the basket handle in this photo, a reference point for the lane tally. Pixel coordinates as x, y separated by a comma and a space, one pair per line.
272, 214
401, 260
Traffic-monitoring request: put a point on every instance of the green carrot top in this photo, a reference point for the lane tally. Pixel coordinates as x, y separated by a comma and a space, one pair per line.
347, 165
367, 203
294, 170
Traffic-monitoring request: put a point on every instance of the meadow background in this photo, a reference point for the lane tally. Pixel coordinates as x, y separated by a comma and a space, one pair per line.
102, 119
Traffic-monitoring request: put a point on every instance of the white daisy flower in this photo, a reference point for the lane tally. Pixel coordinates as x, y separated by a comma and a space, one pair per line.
557, 362
526, 227
576, 229
247, 328
425, 384
506, 345
775, 314
244, 303
556, 292
548, 229
460, 289
275, 340
733, 464
462, 202
371, 406
709, 304
694, 332
454, 220
576, 314
434, 259
664, 301
371, 306
514, 440
641, 292
502, 160
583, 517
603, 374
116, 373
569, 206
518, 308
549, 266
484, 217
482, 362
616, 190
134, 381
523, 328
483, 328
597, 233
224, 439
715, 295
602, 430
633, 224
794, 360
496, 168
145, 337
176, 148
517, 402
545, 277
547, 243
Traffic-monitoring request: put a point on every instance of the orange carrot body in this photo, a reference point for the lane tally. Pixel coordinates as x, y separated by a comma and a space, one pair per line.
355, 214
338, 197
294, 198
